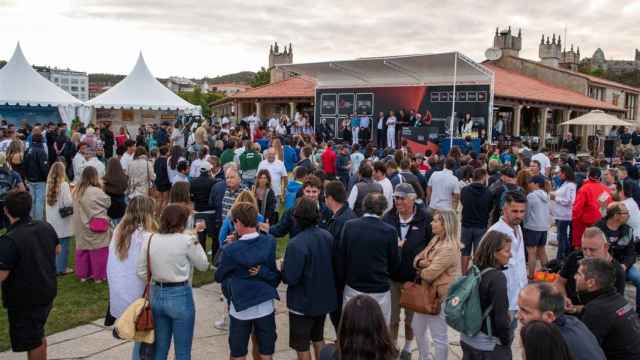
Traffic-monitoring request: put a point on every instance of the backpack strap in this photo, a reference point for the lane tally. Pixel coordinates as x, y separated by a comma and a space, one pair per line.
487, 311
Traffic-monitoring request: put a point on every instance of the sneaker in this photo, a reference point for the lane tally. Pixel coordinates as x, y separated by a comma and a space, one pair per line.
405, 355
221, 324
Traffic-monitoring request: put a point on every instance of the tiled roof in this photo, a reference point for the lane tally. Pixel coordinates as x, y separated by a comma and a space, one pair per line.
511, 84
299, 86
591, 78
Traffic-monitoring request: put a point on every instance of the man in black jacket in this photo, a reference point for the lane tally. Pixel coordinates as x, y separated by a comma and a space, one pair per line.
307, 270
365, 263
607, 313
200, 190
476, 203
335, 198
28, 275
37, 168
410, 223
108, 139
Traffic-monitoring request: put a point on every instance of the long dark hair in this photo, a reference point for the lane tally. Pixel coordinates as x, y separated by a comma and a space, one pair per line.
492, 242
542, 341
363, 333
115, 180
176, 153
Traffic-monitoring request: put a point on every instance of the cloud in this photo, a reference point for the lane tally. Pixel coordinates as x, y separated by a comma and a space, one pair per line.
206, 37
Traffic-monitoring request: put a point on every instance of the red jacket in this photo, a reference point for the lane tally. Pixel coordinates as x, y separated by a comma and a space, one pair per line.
329, 161
586, 208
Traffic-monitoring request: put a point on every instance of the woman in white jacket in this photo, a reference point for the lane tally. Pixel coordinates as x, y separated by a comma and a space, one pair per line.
561, 208
59, 196
391, 130
124, 284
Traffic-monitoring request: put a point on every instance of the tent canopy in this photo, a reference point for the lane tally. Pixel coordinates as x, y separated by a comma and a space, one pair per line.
598, 118
20, 84
140, 90
433, 69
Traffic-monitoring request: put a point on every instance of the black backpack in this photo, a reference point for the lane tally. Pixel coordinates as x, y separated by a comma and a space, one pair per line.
6, 183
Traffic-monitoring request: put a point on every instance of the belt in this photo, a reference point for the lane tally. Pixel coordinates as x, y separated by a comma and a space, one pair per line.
170, 284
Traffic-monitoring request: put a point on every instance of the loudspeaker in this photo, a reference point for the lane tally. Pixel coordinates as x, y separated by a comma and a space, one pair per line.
609, 148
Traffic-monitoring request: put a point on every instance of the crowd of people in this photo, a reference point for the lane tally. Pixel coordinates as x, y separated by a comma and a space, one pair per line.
362, 220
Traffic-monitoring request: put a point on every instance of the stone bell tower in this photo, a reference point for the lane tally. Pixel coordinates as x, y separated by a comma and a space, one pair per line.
507, 42
279, 56
550, 51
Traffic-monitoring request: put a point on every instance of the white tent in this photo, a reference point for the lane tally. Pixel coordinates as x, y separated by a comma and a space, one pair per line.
140, 90
21, 85
598, 118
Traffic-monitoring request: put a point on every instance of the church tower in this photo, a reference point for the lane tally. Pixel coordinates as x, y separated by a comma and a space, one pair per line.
278, 57
507, 42
637, 55
570, 59
550, 51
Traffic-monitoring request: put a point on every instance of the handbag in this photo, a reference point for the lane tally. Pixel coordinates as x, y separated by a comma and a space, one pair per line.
144, 322
65, 211
98, 225
136, 322
420, 298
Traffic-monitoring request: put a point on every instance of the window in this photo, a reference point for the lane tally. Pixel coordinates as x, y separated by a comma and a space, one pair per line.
597, 93
82, 88
615, 99
631, 105
74, 88
64, 80
74, 81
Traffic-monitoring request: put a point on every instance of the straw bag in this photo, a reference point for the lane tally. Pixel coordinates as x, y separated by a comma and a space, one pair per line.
145, 319
420, 298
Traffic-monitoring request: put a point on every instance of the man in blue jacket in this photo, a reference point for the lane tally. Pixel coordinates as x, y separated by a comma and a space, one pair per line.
249, 277
290, 155
307, 269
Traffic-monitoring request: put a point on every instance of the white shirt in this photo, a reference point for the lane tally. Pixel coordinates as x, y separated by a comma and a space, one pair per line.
544, 161
277, 171
391, 122
125, 159
516, 271
4, 145
387, 191
443, 185
634, 216
124, 284
356, 159
273, 123
177, 137
97, 164
381, 123
256, 311
562, 206
61, 225
194, 172
179, 177
78, 164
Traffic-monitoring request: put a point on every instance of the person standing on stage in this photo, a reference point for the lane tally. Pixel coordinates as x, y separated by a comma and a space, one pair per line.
391, 129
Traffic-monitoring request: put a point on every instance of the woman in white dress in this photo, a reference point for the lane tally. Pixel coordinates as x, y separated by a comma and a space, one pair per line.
58, 197
391, 130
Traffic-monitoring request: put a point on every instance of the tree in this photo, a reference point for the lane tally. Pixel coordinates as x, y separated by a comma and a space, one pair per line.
196, 97
263, 77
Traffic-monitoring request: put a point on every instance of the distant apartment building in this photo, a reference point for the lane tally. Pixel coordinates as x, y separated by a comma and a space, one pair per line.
75, 83
180, 84
225, 88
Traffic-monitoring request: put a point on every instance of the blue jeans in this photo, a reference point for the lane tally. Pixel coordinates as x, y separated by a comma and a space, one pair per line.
174, 315
633, 275
564, 240
63, 258
37, 205
135, 354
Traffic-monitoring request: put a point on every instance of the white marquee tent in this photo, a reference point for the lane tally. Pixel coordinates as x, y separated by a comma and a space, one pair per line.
141, 95
21, 85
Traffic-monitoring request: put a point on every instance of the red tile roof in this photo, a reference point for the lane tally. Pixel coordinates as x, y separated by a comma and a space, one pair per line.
300, 86
510, 84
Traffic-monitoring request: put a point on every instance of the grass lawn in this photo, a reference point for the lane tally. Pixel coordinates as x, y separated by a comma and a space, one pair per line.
81, 303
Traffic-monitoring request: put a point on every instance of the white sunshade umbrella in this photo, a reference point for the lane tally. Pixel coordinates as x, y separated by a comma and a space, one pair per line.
598, 118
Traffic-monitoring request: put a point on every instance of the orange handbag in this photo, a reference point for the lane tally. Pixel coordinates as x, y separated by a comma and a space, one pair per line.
144, 322
420, 298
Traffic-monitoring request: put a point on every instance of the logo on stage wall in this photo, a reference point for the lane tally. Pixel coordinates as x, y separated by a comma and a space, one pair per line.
461, 96
328, 104
364, 104
345, 104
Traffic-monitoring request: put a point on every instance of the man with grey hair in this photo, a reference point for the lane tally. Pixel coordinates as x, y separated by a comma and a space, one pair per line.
606, 312
594, 245
544, 302
411, 224
364, 264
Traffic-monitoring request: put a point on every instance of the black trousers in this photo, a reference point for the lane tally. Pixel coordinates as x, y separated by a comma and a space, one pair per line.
381, 137
211, 229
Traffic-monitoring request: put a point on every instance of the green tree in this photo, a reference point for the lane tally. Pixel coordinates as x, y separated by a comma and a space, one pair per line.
262, 77
196, 97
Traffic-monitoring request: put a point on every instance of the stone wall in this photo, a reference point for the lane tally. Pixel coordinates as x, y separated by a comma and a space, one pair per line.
549, 75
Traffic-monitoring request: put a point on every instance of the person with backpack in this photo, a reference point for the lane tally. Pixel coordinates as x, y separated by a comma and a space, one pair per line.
9, 180
37, 169
362, 188
494, 336
436, 265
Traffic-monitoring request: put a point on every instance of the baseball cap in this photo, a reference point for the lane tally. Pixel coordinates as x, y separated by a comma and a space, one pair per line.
404, 190
205, 167
537, 179
508, 172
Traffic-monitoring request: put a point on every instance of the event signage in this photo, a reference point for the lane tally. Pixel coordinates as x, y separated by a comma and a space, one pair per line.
461, 96
345, 104
328, 104
364, 104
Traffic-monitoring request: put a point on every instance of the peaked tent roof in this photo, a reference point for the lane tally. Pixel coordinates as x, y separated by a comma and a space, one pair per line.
140, 90
20, 84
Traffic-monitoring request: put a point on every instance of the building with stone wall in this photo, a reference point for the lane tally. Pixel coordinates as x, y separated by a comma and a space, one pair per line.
599, 62
277, 57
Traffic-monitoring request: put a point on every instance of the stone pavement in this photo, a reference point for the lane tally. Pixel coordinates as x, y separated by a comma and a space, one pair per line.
94, 341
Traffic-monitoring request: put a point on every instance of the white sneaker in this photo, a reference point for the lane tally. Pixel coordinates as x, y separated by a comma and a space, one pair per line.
221, 324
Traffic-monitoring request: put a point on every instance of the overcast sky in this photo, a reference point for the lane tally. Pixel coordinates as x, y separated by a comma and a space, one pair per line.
195, 38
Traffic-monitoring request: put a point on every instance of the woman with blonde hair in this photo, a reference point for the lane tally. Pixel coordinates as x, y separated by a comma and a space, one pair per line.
437, 267
277, 145
90, 206
58, 196
124, 284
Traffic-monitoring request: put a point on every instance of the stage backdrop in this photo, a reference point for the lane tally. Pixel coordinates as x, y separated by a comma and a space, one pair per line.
15, 114
333, 106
